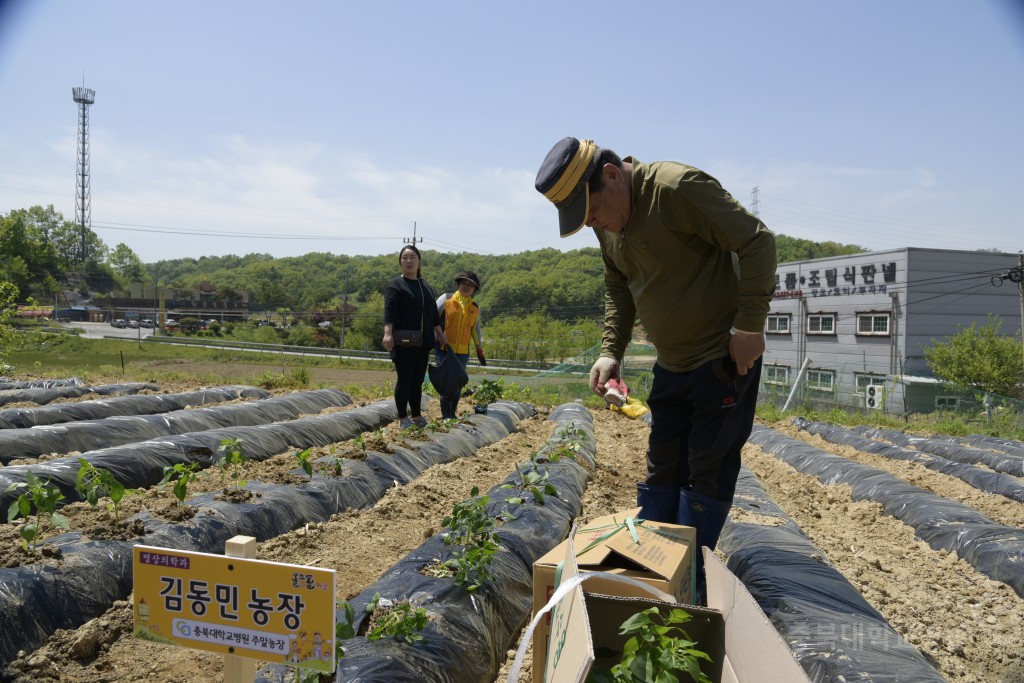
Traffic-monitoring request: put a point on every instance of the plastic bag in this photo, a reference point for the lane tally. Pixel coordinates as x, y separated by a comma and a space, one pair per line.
448, 376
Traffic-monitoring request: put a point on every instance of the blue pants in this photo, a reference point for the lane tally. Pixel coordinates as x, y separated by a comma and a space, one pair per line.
699, 423
449, 404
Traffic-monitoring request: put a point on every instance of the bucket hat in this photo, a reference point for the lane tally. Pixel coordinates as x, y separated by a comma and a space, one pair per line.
470, 277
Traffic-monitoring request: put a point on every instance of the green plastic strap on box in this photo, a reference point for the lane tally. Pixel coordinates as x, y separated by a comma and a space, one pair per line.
629, 523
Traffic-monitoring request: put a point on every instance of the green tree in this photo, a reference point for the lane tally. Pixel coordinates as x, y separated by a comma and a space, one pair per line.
367, 323
8, 296
796, 249
127, 264
980, 357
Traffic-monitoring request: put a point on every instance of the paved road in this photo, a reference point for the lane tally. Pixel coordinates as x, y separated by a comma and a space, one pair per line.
100, 330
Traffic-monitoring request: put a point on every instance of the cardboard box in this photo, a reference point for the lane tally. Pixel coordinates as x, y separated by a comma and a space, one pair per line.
733, 631
657, 554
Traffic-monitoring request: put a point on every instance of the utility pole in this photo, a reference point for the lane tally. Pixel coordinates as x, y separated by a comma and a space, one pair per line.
414, 239
1016, 276
1020, 290
755, 201
344, 311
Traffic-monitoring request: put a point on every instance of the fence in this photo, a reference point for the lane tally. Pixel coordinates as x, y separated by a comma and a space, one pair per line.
847, 387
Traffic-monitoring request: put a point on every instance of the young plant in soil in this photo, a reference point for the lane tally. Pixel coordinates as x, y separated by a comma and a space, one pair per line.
471, 528
568, 442
185, 474
413, 430
38, 497
94, 483
335, 466
304, 462
533, 480
360, 443
372, 440
488, 391
232, 458
443, 425
396, 620
658, 649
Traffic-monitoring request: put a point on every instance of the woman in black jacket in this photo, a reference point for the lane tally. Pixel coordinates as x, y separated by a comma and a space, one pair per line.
411, 327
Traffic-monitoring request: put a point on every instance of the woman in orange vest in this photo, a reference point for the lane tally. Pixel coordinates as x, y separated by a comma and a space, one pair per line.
460, 318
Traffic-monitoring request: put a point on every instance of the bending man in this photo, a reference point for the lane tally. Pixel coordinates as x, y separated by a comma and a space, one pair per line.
698, 271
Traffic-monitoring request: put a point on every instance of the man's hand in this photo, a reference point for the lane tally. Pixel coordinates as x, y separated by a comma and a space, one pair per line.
604, 369
745, 348
480, 355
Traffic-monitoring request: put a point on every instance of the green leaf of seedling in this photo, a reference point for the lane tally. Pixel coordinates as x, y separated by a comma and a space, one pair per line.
12, 511
60, 520
29, 532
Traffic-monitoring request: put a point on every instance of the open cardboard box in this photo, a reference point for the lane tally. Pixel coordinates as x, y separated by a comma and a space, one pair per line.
654, 553
732, 630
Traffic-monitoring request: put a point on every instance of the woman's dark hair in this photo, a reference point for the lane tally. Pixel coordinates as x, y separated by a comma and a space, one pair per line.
411, 247
606, 156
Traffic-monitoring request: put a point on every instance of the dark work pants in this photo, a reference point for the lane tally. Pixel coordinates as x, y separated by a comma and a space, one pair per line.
411, 366
699, 423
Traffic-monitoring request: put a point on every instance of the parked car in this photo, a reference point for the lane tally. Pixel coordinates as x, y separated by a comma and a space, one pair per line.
119, 323
148, 322
133, 323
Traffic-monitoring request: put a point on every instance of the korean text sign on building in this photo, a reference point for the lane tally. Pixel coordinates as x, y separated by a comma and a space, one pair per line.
276, 612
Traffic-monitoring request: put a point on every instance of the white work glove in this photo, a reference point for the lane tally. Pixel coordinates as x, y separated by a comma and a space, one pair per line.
604, 369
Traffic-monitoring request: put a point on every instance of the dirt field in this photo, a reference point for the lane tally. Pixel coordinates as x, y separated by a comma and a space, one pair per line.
968, 625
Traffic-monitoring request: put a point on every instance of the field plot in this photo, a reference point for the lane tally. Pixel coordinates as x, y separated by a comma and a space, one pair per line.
953, 616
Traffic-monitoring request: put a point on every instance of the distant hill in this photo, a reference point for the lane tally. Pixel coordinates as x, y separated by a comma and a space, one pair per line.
41, 254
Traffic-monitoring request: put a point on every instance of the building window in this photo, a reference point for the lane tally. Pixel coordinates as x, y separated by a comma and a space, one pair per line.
821, 323
776, 374
777, 324
873, 324
863, 381
821, 380
947, 402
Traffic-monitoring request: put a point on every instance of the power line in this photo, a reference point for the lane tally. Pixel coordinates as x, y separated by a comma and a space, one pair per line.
215, 233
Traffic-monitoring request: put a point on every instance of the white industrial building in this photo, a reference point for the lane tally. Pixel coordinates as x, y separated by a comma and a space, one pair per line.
853, 328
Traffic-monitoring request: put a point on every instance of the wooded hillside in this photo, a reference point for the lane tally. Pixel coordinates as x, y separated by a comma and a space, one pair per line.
41, 252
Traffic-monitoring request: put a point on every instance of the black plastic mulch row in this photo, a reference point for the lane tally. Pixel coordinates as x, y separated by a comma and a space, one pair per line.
142, 404
1005, 463
835, 634
141, 464
468, 634
6, 384
995, 550
88, 435
42, 395
995, 444
37, 600
982, 479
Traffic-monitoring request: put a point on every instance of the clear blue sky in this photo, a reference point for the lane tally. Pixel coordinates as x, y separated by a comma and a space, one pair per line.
335, 126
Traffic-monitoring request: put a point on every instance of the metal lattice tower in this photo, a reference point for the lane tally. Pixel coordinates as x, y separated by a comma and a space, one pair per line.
83, 194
